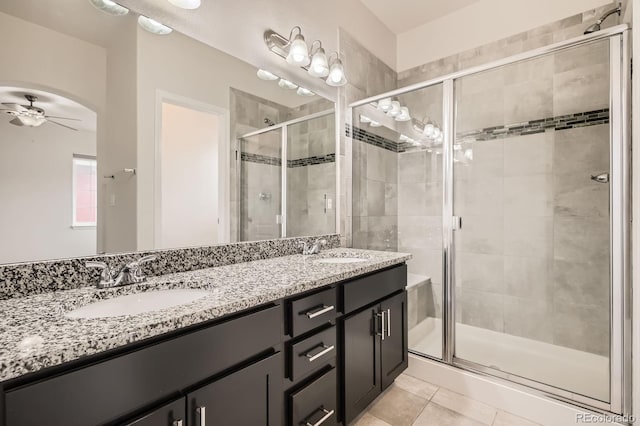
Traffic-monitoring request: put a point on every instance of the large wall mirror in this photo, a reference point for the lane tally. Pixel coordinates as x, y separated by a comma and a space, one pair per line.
115, 139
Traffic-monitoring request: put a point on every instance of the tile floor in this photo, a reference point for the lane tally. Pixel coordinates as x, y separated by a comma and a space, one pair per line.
413, 402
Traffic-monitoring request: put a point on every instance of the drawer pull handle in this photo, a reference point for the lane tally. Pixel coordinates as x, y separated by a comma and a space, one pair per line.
383, 330
324, 418
326, 349
388, 322
202, 416
177, 423
323, 310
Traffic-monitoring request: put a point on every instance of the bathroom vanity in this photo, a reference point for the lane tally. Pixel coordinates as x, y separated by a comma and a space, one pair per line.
293, 341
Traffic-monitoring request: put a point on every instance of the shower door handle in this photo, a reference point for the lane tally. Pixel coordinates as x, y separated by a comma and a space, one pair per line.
457, 223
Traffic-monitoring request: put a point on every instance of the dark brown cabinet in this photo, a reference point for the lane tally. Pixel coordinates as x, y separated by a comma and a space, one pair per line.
171, 414
250, 396
375, 352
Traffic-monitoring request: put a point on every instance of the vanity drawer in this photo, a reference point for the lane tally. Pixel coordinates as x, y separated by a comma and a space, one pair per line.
103, 392
363, 291
312, 311
312, 353
316, 403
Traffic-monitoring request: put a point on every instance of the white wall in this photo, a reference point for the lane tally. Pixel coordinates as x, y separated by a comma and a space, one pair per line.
36, 192
480, 23
189, 177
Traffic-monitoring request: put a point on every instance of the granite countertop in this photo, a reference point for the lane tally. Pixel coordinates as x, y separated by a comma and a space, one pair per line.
35, 334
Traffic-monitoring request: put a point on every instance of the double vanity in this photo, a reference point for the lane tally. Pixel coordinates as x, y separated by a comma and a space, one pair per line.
288, 340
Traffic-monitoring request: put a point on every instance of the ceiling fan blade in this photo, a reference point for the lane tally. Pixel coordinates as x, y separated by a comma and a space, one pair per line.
62, 118
60, 124
16, 122
15, 107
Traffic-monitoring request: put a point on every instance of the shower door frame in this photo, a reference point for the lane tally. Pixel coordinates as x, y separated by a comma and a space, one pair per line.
620, 271
284, 136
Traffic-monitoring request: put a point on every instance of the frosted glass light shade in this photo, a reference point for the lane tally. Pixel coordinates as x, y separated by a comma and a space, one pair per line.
153, 26
266, 75
336, 76
186, 4
302, 91
286, 84
319, 65
384, 105
298, 52
110, 7
395, 109
403, 115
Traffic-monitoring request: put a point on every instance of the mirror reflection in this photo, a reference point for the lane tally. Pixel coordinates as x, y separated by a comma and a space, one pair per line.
114, 138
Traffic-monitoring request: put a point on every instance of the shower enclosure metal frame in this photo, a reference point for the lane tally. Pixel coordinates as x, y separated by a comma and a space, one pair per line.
619, 202
283, 182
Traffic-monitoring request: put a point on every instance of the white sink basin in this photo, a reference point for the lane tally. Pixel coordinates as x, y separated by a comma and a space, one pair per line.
133, 304
341, 260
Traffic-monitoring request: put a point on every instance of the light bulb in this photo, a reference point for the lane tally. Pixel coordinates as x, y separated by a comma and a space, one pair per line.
153, 26
336, 74
403, 115
298, 52
384, 105
266, 75
319, 66
436, 133
439, 138
186, 4
428, 130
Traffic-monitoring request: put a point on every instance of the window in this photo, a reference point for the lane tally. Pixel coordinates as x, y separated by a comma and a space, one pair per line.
85, 191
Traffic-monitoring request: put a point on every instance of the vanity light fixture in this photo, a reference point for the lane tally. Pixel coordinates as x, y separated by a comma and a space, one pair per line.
384, 105
319, 66
186, 4
403, 115
286, 84
302, 91
374, 124
266, 75
153, 26
296, 52
110, 7
395, 109
364, 119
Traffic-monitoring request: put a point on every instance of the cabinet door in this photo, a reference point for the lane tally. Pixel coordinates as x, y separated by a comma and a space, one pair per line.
172, 414
251, 396
361, 364
394, 348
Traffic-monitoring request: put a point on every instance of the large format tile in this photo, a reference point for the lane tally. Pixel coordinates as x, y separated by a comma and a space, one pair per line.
368, 420
420, 232
375, 198
416, 386
528, 236
468, 407
437, 415
528, 277
529, 100
528, 318
581, 150
528, 155
581, 283
481, 234
582, 327
581, 89
479, 271
507, 419
412, 166
479, 197
576, 194
488, 160
579, 239
398, 407
480, 309
528, 196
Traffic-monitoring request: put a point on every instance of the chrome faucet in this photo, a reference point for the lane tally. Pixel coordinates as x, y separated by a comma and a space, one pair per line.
314, 248
131, 273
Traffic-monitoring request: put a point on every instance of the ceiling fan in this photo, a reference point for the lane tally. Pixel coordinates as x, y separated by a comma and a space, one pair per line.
30, 115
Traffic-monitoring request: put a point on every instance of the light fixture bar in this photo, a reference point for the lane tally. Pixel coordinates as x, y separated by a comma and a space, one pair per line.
278, 44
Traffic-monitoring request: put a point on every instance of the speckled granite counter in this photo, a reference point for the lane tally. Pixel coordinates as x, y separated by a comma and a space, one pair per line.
34, 332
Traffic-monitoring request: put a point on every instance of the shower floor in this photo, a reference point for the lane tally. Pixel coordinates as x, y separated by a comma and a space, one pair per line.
575, 371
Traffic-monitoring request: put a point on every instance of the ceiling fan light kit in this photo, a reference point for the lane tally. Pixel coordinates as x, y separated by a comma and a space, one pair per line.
296, 52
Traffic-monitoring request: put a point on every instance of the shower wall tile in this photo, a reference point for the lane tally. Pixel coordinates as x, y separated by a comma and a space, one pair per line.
527, 99
390, 199
528, 196
480, 110
412, 198
528, 155
581, 283
480, 196
482, 234
528, 277
481, 309
532, 319
581, 239
575, 194
581, 89
582, 327
425, 262
375, 198
479, 271
383, 233
488, 161
584, 149
528, 236
412, 167
420, 232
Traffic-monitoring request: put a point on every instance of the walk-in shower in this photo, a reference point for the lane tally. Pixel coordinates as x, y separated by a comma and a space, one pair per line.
287, 179
517, 218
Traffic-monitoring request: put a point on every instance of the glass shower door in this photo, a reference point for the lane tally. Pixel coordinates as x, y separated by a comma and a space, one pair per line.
260, 186
531, 161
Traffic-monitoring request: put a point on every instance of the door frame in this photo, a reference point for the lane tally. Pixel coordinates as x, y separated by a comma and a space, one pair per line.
224, 204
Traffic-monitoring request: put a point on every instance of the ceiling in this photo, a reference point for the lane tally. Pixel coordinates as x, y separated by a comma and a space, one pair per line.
403, 15
53, 105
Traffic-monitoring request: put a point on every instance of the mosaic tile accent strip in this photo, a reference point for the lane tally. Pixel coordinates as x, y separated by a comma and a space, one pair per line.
260, 159
562, 122
309, 161
23, 279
